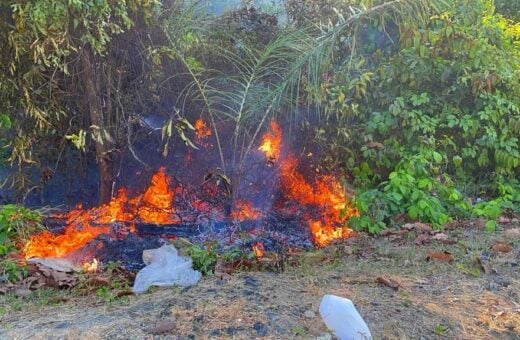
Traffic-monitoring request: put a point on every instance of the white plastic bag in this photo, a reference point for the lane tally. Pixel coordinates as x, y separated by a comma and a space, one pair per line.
165, 268
341, 316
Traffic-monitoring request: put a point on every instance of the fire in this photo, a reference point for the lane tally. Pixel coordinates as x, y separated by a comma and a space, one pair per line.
327, 194
90, 266
156, 204
272, 142
324, 204
83, 225
244, 211
202, 132
47, 244
258, 249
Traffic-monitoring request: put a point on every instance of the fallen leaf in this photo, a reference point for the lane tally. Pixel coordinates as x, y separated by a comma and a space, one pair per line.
98, 281
163, 327
388, 282
501, 248
420, 227
513, 233
57, 264
124, 293
440, 236
374, 145
503, 219
422, 239
438, 256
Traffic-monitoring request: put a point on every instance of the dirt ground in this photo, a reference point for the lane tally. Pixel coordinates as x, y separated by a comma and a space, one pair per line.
433, 299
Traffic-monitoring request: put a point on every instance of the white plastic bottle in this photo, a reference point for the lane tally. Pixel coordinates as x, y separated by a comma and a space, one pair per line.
341, 316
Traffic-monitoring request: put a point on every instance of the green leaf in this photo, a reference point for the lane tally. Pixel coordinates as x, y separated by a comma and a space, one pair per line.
457, 161
5, 121
437, 157
491, 226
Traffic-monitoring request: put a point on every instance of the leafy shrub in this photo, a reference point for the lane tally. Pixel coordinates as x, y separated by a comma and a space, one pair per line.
413, 189
11, 270
430, 125
16, 224
204, 259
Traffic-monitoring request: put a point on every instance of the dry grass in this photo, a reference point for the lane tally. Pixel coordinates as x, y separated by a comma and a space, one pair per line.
435, 300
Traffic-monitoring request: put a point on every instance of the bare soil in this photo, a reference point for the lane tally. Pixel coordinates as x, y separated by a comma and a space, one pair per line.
434, 299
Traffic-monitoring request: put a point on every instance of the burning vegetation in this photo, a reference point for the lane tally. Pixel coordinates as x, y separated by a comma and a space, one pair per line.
321, 204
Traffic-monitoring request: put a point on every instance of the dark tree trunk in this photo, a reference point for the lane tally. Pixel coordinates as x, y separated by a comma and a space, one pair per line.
103, 146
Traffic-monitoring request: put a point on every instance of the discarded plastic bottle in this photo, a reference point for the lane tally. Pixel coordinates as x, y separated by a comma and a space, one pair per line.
341, 316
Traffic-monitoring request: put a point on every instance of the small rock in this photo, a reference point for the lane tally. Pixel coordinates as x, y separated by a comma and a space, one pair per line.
309, 314
260, 328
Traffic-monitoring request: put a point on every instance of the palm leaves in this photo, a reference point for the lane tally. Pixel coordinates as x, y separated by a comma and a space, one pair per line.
265, 81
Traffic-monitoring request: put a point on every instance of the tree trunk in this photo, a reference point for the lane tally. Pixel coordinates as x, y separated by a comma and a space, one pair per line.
102, 145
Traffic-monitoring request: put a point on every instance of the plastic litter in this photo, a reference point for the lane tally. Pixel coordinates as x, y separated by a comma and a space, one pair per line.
341, 316
165, 268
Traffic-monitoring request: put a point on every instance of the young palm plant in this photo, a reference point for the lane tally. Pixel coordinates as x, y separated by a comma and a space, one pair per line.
266, 81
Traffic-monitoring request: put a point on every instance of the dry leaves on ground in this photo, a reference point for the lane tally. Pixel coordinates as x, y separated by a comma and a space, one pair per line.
389, 282
501, 248
438, 256
422, 239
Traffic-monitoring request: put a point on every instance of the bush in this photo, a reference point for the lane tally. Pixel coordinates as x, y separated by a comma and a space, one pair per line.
16, 224
430, 124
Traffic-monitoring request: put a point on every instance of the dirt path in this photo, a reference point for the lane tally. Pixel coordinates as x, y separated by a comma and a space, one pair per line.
435, 299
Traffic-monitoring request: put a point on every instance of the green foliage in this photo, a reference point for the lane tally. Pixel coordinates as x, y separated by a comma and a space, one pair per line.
11, 270
508, 8
5, 124
440, 329
431, 118
16, 224
414, 188
204, 259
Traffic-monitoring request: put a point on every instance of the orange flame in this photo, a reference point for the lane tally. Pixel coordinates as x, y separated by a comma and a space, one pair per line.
90, 267
258, 249
154, 206
327, 194
202, 132
47, 244
243, 211
272, 142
